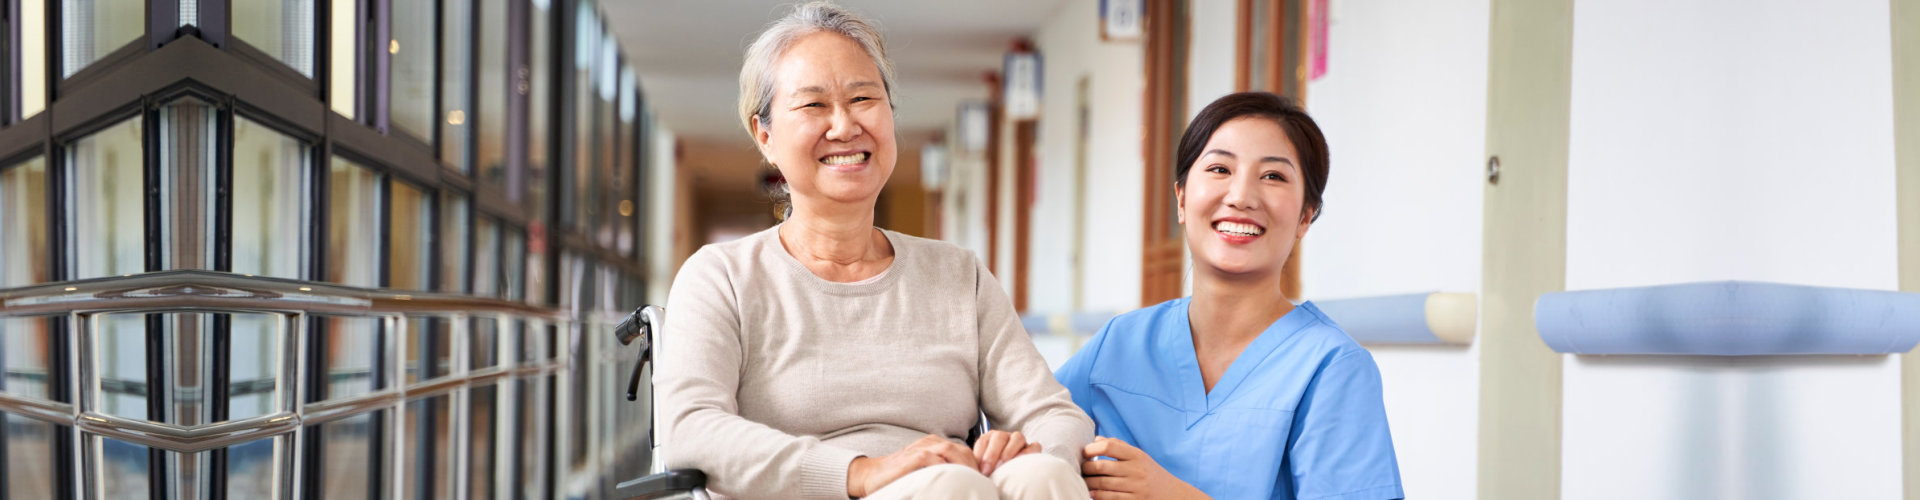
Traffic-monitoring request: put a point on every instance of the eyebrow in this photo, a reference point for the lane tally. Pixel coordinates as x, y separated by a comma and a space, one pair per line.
816, 89
1230, 154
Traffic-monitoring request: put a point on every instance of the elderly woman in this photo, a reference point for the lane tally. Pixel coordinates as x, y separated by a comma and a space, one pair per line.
827, 358
1236, 392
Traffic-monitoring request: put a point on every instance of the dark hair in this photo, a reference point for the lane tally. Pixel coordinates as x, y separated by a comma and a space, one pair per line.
1300, 129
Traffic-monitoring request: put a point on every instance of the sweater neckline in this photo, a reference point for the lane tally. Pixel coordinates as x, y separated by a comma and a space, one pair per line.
880, 282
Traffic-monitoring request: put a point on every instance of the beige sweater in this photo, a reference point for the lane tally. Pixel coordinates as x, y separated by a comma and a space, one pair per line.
772, 380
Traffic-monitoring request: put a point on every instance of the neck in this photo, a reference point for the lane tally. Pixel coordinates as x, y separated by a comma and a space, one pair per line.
831, 235
1233, 310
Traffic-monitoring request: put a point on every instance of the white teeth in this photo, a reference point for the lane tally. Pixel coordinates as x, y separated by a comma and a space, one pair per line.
844, 159
1237, 228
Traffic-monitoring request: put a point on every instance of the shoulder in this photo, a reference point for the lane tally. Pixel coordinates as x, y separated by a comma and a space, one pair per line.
1129, 337
942, 261
1332, 342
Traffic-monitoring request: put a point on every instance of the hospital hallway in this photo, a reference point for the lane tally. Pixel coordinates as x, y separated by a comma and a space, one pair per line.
381, 248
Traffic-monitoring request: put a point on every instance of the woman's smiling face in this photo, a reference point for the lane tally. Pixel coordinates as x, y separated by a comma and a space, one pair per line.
1241, 204
831, 126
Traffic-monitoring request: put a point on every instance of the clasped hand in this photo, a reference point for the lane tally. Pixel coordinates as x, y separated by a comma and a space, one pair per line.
868, 474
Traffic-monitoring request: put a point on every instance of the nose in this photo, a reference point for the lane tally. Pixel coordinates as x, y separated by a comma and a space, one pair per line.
1240, 193
843, 127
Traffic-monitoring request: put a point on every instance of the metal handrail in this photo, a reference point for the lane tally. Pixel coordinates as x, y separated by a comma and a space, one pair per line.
218, 292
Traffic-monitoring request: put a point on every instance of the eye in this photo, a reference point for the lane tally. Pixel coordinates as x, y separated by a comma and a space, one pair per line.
813, 105
862, 99
1218, 169
1274, 176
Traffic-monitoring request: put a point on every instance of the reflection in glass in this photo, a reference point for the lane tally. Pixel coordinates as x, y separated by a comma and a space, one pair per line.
187, 152
25, 356
353, 238
269, 188
413, 51
429, 453
486, 257
347, 457
27, 446
253, 471
429, 346
281, 28
482, 442
253, 364
533, 425
492, 94
540, 108
513, 272
91, 29
410, 227
23, 214
120, 359
121, 467
454, 242
578, 185
624, 202
347, 359
109, 203
456, 68
484, 346
187, 345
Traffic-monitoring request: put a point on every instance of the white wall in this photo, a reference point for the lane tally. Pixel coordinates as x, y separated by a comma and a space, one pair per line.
1717, 140
1070, 46
1403, 106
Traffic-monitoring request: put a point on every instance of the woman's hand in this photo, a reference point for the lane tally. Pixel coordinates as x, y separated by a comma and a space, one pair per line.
868, 474
997, 447
1130, 475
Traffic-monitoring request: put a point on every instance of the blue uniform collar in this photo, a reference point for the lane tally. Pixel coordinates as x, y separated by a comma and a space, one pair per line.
1176, 336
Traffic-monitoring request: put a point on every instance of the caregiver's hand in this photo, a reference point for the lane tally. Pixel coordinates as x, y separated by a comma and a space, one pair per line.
1130, 475
997, 447
868, 474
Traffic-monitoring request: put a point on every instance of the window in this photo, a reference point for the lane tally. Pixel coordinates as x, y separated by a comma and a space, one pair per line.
410, 240
412, 52
456, 71
23, 215
269, 194
346, 451
188, 145
109, 205
348, 347
540, 107
454, 242
493, 94
280, 28
353, 249
91, 29
486, 257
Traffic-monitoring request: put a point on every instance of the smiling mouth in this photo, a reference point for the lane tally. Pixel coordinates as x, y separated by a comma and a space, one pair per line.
846, 159
1238, 228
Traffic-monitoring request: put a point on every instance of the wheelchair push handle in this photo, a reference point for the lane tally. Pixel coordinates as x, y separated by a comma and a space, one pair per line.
640, 326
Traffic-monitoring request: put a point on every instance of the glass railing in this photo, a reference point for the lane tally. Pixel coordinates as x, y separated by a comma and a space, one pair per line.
196, 384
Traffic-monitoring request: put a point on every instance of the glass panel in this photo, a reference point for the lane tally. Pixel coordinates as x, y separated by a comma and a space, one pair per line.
410, 231
625, 164
188, 349
606, 184
429, 449
94, 28
353, 248
121, 468
109, 202
429, 349
120, 358
456, 69
269, 191
27, 446
26, 353
493, 93
33, 57
483, 442
578, 184
347, 359
253, 361
533, 411
23, 217
281, 28
254, 469
484, 343
513, 275
343, 49
486, 257
539, 107
412, 52
454, 242
348, 452
187, 149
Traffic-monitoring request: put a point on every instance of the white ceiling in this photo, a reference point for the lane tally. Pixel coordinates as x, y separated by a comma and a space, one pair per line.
688, 53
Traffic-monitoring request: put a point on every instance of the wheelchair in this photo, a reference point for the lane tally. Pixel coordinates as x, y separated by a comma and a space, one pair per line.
644, 327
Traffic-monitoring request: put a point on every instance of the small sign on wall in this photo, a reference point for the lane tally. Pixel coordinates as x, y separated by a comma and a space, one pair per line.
1022, 88
971, 127
1122, 19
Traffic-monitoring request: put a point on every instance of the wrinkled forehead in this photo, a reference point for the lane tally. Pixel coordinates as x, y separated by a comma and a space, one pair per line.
824, 63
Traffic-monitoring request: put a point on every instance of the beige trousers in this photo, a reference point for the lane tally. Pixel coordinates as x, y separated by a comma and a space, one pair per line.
1028, 477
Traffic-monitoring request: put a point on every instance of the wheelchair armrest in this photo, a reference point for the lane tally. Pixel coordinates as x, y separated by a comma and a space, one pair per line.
665, 484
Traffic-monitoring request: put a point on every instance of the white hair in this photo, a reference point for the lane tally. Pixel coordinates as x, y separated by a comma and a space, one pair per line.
756, 75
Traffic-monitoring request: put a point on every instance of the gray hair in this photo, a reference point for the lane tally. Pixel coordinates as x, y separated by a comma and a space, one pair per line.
756, 76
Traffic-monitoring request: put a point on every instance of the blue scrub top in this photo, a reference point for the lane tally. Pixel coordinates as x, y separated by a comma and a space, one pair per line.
1297, 416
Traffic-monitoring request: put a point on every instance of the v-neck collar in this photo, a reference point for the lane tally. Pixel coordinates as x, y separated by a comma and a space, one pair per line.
1177, 337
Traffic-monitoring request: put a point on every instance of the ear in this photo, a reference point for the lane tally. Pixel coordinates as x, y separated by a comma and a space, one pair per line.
761, 137
1306, 220
1180, 204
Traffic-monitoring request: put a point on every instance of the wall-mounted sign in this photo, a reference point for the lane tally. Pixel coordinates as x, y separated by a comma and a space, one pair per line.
1021, 93
933, 167
1121, 19
971, 126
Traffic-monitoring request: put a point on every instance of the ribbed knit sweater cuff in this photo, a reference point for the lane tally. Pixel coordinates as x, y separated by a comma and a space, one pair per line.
823, 471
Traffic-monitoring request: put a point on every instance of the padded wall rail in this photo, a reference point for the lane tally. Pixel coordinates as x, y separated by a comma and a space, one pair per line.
1733, 318
1420, 318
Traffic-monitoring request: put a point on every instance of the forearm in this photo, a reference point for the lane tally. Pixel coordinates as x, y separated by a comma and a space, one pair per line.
747, 459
